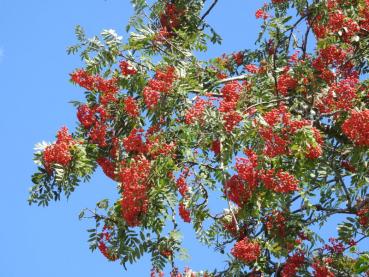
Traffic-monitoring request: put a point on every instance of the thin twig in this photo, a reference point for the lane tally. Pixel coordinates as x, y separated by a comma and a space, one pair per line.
209, 10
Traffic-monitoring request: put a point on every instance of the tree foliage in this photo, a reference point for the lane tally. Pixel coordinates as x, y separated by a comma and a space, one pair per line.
278, 136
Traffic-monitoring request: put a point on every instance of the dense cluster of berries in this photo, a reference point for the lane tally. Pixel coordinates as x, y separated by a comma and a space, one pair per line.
86, 116
90, 116
107, 88
181, 182
131, 107
60, 151
95, 120
246, 168
184, 213
127, 68
341, 95
364, 14
134, 142
239, 187
107, 166
338, 23
292, 265
332, 61
98, 134
134, 180
356, 128
237, 191
246, 251
278, 133
166, 253
195, 113
161, 83
275, 144
280, 181
286, 82
231, 93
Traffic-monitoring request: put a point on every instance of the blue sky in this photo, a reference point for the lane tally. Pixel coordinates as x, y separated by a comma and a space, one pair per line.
35, 91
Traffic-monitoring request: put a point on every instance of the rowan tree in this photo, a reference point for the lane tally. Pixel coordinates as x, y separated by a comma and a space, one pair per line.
281, 133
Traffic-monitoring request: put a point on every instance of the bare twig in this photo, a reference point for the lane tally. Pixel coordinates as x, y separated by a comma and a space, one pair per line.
209, 10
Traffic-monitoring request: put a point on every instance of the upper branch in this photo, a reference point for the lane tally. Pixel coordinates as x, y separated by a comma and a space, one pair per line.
209, 10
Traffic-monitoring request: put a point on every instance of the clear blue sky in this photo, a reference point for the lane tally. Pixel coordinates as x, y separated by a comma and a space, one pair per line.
35, 91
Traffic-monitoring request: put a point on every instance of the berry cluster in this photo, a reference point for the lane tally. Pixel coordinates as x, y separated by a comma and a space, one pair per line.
107, 166
98, 134
86, 116
134, 180
356, 128
181, 182
246, 250
237, 191
246, 168
170, 20
279, 1
252, 68
279, 132
59, 152
131, 107
286, 82
127, 69
184, 213
292, 265
161, 83
155, 271
280, 181
363, 214
331, 62
107, 88
261, 13
196, 111
103, 241
231, 93
134, 143
338, 23
341, 95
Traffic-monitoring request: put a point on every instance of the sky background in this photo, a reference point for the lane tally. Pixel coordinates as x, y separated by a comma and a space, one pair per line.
34, 89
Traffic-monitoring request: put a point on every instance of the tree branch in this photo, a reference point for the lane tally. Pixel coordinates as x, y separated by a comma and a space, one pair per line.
209, 10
